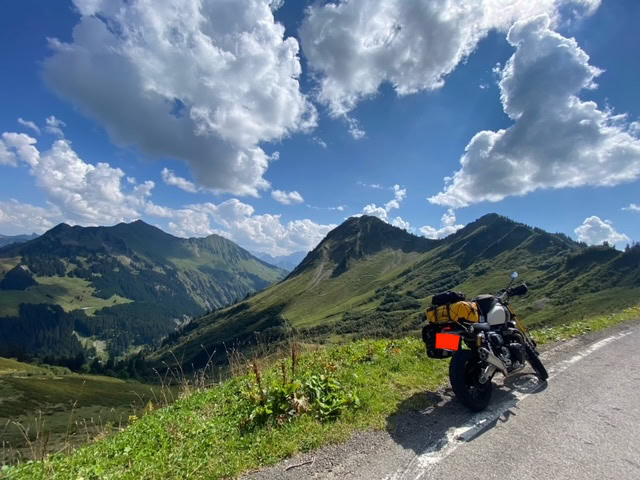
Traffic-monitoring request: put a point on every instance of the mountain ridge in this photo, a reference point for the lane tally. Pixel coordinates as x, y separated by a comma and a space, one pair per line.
9, 239
127, 274
352, 285
350, 236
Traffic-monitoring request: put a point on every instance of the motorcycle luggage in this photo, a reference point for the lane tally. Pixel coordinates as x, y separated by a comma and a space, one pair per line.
447, 297
455, 312
429, 333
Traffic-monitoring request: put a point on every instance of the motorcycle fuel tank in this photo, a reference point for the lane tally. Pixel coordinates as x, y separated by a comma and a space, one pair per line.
497, 315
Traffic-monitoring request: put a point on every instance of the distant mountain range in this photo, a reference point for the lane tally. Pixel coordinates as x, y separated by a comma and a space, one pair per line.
9, 239
128, 284
285, 262
368, 278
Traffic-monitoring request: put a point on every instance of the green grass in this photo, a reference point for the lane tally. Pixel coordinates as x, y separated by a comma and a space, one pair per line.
71, 293
205, 434
202, 435
311, 301
586, 325
589, 304
93, 342
64, 404
9, 366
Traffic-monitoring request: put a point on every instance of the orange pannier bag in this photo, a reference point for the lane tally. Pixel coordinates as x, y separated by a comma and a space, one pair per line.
454, 312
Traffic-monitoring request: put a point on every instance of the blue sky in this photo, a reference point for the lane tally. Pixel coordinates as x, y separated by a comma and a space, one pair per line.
278, 134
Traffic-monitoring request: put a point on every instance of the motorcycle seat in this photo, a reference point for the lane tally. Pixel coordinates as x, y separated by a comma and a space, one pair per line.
481, 327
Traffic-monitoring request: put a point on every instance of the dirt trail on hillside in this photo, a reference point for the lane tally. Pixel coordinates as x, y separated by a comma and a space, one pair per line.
320, 269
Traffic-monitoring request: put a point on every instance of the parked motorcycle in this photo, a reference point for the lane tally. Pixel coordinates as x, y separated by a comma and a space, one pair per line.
496, 341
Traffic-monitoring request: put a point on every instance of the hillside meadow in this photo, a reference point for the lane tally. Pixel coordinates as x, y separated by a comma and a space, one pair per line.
45, 409
307, 397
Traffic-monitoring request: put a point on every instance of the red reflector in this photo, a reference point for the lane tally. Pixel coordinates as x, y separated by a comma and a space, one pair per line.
447, 329
447, 341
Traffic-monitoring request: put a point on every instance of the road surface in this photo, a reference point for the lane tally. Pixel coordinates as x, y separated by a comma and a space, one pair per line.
583, 424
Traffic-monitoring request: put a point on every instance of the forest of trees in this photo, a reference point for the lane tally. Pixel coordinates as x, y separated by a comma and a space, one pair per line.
43, 332
17, 279
158, 300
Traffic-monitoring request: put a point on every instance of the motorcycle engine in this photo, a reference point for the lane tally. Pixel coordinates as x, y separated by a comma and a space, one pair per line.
509, 350
516, 355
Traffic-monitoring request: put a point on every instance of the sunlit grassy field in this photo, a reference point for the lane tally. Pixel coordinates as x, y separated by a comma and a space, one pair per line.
66, 407
255, 419
71, 293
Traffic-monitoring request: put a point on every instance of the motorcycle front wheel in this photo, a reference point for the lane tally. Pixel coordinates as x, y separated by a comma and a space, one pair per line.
537, 365
464, 373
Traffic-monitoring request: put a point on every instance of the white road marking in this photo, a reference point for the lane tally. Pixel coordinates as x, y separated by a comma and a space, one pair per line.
456, 436
562, 366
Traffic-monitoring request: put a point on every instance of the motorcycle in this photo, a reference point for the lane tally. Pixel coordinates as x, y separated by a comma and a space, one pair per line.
496, 340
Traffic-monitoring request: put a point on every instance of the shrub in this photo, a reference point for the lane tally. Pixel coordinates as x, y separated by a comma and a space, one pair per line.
275, 401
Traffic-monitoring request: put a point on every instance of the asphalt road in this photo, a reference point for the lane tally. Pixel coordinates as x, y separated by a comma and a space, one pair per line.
583, 424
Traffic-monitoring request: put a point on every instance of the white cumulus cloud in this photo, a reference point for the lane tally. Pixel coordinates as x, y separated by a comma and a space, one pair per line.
557, 140
594, 231
633, 207
170, 178
29, 124
238, 222
448, 226
54, 126
7, 157
382, 212
203, 81
23, 145
287, 198
18, 218
84, 193
400, 223
354, 46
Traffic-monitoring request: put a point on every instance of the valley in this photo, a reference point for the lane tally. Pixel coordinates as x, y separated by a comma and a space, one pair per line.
366, 280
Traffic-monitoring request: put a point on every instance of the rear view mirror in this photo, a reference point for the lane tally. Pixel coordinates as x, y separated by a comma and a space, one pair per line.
514, 275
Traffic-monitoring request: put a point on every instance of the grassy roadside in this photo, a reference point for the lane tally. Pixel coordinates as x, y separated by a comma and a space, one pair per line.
321, 396
573, 329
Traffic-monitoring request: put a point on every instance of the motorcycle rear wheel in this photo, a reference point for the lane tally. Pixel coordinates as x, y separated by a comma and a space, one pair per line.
464, 375
537, 365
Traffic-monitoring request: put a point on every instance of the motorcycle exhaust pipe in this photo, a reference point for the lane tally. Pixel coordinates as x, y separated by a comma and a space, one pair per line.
491, 359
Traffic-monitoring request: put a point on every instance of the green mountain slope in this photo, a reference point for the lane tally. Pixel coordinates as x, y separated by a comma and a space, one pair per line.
367, 278
127, 284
